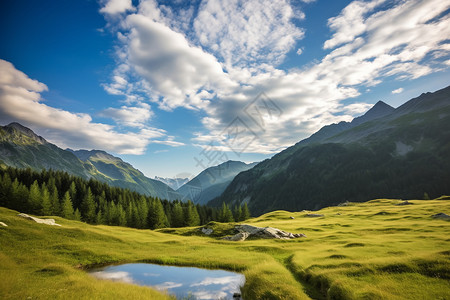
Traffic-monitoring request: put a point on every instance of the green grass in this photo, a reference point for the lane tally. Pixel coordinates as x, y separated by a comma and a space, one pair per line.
372, 250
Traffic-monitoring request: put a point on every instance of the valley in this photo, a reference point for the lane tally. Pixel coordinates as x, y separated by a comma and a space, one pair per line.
373, 250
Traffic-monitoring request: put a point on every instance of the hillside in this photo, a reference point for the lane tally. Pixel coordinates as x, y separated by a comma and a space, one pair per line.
20, 147
401, 153
211, 182
372, 250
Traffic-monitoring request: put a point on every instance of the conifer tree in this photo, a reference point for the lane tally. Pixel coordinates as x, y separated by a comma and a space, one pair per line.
34, 198
46, 205
177, 215
88, 207
67, 207
156, 217
77, 215
245, 212
191, 218
225, 214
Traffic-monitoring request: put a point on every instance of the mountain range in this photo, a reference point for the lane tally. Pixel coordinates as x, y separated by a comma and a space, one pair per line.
20, 147
211, 182
387, 152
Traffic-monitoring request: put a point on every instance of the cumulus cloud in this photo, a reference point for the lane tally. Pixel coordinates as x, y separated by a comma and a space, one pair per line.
244, 33
129, 116
113, 7
221, 66
21, 101
397, 91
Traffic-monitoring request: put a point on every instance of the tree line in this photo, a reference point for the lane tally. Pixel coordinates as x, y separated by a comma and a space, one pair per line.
56, 193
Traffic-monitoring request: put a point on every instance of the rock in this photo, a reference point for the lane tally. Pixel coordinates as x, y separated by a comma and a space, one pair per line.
37, 220
292, 218
207, 231
406, 202
346, 203
3, 224
441, 216
267, 232
241, 236
314, 215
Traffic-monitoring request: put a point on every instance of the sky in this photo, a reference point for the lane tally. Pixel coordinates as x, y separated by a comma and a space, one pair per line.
173, 87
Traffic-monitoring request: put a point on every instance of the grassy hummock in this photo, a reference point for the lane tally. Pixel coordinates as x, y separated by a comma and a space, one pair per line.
372, 250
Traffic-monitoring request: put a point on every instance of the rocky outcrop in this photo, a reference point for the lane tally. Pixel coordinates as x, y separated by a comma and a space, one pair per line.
3, 224
314, 215
37, 220
245, 231
406, 202
441, 216
207, 231
241, 236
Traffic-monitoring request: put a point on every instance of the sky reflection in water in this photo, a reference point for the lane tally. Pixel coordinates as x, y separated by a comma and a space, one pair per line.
180, 281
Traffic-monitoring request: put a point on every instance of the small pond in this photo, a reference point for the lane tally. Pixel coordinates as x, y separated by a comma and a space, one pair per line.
183, 282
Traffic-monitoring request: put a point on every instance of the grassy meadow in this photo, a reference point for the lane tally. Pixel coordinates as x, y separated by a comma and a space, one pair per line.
372, 250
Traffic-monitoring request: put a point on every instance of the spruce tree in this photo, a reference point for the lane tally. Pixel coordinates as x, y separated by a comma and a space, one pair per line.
88, 207
46, 205
225, 214
77, 215
34, 198
245, 212
67, 207
177, 215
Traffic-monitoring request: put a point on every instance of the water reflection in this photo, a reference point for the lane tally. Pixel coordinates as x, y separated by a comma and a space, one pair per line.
183, 282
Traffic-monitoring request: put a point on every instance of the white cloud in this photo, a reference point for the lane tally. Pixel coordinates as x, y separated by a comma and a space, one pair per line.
244, 33
129, 116
397, 91
299, 51
113, 7
231, 56
20, 101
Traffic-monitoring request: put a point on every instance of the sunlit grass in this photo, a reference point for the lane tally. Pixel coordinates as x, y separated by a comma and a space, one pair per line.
373, 250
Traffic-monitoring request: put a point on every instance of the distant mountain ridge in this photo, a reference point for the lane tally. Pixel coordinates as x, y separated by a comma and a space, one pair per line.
174, 183
211, 182
387, 152
20, 147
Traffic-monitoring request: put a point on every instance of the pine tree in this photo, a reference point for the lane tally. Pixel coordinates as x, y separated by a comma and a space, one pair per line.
245, 213
77, 215
225, 214
34, 198
121, 216
67, 207
191, 217
177, 215
88, 207
156, 216
46, 208
54, 200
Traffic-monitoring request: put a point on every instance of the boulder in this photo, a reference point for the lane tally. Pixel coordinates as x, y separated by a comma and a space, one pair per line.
241, 236
441, 216
314, 215
267, 232
3, 224
207, 231
37, 220
406, 202
291, 217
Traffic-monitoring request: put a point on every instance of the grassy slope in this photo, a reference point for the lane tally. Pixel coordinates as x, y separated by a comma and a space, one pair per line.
373, 250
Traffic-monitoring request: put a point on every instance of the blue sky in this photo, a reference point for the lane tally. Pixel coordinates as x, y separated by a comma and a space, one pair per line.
176, 86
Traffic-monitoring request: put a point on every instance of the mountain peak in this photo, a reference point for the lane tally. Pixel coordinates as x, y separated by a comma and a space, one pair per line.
25, 131
380, 109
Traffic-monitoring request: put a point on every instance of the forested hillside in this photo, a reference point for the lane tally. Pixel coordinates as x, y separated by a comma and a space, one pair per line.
60, 194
